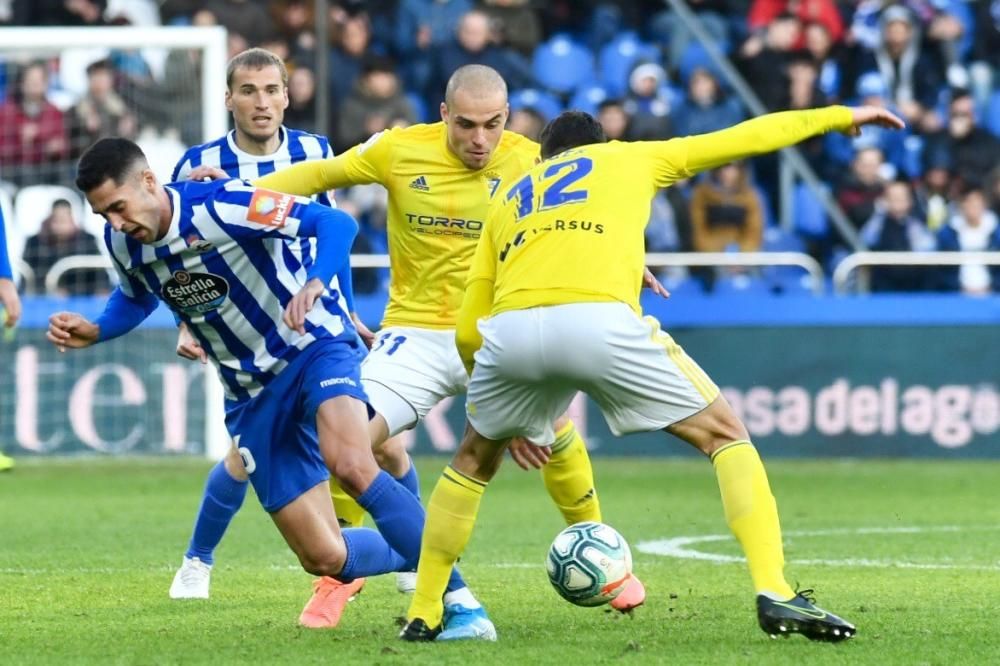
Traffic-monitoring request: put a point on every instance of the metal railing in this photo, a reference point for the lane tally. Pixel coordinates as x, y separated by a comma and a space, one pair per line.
653, 260
852, 262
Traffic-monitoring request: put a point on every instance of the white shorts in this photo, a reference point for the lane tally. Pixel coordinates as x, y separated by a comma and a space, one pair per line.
533, 362
408, 371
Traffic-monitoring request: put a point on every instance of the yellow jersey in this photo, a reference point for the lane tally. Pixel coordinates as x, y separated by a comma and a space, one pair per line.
437, 207
572, 229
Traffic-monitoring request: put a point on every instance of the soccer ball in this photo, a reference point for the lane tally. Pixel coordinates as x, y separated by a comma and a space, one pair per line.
589, 564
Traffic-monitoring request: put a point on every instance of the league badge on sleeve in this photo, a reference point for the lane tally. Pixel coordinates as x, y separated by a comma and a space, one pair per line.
269, 208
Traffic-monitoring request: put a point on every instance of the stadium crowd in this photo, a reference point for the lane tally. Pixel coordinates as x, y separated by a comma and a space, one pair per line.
631, 63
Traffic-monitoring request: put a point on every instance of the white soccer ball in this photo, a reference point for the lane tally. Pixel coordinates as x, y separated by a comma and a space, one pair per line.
589, 563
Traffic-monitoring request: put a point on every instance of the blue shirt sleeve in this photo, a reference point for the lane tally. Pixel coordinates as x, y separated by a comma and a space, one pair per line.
334, 231
123, 313
5, 271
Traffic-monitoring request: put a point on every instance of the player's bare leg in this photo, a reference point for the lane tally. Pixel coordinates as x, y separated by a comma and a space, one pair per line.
451, 515
752, 515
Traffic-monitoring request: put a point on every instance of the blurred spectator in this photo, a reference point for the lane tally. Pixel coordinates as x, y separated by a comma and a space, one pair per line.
985, 69
301, 111
993, 190
295, 21
726, 211
526, 122
101, 112
841, 148
705, 108
824, 12
912, 77
933, 191
476, 43
423, 27
516, 22
180, 93
826, 55
669, 227
973, 227
862, 186
33, 138
647, 104
351, 44
179, 12
973, 150
248, 18
613, 118
764, 59
896, 228
375, 104
60, 237
58, 12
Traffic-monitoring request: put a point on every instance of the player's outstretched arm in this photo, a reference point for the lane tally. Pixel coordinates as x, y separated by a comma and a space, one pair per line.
774, 131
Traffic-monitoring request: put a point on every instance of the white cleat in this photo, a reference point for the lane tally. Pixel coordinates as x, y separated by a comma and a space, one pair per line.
406, 582
191, 580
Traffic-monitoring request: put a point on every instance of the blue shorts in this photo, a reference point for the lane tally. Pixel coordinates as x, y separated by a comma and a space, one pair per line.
275, 430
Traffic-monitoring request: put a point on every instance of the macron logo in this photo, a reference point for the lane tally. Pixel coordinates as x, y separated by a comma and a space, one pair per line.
338, 380
420, 183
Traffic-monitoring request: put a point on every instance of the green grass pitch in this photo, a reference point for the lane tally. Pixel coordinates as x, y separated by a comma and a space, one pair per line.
909, 551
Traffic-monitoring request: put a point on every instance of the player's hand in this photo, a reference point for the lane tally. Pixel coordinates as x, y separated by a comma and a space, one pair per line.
10, 302
527, 455
301, 304
68, 330
366, 335
873, 115
650, 282
205, 172
188, 346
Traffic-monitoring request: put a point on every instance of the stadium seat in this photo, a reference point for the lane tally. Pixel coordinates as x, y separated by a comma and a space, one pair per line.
588, 98
687, 286
808, 214
33, 204
545, 104
618, 57
419, 106
777, 239
694, 57
562, 65
741, 285
991, 119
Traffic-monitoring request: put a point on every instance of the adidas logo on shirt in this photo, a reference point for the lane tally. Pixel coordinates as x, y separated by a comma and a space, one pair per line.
420, 183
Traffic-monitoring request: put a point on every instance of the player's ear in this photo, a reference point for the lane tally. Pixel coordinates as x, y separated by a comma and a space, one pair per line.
148, 179
444, 112
284, 94
229, 99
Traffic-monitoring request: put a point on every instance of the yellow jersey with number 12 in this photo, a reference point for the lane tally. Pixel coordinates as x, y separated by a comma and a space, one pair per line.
572, 229
437, 208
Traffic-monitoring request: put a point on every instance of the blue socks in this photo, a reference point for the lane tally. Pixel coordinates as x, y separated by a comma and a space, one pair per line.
222, 499
368, 554
400, 518
410, 481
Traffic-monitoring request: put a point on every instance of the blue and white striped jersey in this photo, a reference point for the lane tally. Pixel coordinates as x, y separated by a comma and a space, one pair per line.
225, 269
296, 146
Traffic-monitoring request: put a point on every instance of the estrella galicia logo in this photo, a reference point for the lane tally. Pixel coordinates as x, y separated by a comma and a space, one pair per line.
195, 293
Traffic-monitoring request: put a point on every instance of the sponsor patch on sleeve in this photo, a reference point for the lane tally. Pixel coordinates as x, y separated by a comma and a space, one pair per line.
269, 208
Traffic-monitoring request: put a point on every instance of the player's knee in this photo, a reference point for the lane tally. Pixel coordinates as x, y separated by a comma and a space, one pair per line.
726, 428
327, 560
354, 471
477, 456
234, 465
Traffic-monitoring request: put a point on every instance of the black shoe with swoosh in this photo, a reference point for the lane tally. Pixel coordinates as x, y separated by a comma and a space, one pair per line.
416, 631
800, 615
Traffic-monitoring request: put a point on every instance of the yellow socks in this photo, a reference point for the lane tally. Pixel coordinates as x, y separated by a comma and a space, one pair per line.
348, 511
451, 514
569, 478
752, 515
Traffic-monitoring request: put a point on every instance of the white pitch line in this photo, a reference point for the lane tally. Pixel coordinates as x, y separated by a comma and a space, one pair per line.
678, 547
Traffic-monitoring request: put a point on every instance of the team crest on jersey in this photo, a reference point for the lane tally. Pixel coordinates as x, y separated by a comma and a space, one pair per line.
493, 182
269, 208
194, 293
197, 244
